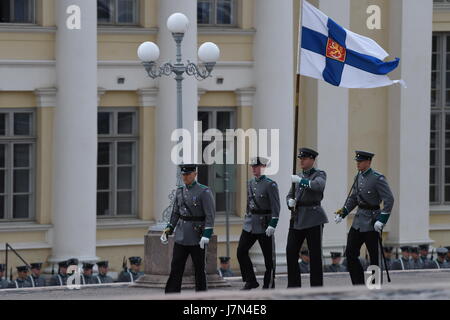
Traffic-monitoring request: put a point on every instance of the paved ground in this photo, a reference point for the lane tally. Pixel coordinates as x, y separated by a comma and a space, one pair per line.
426, 284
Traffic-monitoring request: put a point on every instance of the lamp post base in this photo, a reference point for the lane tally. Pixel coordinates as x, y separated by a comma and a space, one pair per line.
157, 264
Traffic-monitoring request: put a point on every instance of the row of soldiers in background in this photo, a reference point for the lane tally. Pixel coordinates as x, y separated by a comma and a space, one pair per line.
26, 280
412, 258
417, 258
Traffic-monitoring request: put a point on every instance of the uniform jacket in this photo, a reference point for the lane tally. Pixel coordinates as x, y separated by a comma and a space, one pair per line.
304, 266
335, 268
102, 278
401, 264
371, 188
198, 198
18, 283
416, 264
129, 276
265, 192
307, 215
33, 282
58, 280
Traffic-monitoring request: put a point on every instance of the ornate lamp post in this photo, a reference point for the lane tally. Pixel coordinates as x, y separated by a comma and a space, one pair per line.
148, 53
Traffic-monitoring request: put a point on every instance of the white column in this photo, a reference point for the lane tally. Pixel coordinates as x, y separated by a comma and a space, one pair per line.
274, 100
409, 121
332, 139
75, 150
166, 111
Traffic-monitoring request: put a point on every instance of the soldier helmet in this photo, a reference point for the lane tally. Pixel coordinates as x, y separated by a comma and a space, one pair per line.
188, 168
22, 268
414, 250
405, 249
441, 251
135, 260
259, 161
103, 264
36, 265
304, 252
307, 153
335, 255
363, 155
72, 262
63, 264
224, 259
88, 266
424, 247
388, 249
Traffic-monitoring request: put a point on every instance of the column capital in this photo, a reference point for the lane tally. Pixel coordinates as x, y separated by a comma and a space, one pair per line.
245, 96
200, 92
45, 97
100, 92
148, 96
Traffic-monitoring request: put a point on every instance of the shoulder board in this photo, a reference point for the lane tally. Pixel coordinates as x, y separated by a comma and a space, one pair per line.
270, 180
202, 186
180, 187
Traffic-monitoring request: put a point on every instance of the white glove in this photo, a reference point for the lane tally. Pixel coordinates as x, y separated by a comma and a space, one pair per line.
203, 241
378, 226
270, 231
291, 203
338, 218
295, 179
164, 239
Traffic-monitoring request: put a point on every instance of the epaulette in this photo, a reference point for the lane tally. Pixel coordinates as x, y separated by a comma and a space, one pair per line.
202, 186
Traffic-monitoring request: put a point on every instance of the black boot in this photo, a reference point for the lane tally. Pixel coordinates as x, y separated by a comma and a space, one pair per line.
250, 285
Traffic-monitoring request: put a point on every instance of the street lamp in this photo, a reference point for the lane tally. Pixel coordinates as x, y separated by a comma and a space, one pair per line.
148, 53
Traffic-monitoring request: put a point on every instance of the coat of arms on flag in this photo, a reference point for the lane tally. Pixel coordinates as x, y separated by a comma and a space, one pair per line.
339, 56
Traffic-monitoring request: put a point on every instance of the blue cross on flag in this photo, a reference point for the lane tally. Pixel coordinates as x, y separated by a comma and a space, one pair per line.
339, 56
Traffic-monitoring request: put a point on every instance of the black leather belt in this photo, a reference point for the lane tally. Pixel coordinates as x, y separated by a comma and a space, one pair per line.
367, 207
308, 204
192, 218
261, 211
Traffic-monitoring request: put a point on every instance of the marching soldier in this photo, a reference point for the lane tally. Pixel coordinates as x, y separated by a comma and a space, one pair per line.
388, 256
447, 258
263, 210
304, 261
440, 262
224, 270
102, 276
35, 279
308, 219
193, 221
60, 279
20, 282
335, 265
403, 262
86, 277
424, 250
370, 189
133, 273
415, 262
3, 282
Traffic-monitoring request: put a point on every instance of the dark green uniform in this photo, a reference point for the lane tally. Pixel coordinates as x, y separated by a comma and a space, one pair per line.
104, 278
32, 281
18, 283
129, 276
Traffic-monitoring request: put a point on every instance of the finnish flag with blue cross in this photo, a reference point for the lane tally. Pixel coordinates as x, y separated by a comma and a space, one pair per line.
339, 56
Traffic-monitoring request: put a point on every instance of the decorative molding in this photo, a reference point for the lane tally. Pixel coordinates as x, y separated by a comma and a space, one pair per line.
23, 227
126, 30
441, 6
100, 92
16, 27
45, 97
226, 31
27, 245
148, 97
105, 224
120, 242
245, 97
200, 92
440, 227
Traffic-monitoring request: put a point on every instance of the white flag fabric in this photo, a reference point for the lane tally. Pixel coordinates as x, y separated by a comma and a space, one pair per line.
339, 56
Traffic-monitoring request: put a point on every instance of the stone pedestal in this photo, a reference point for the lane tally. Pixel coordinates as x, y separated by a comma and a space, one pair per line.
157, 264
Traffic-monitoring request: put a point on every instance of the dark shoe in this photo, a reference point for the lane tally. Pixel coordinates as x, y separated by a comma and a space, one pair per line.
250, 285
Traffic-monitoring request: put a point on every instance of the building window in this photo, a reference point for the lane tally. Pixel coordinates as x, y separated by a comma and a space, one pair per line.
216, 12
17, 11
17, 148
440, 121
117, 163
214, 175
117, 12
